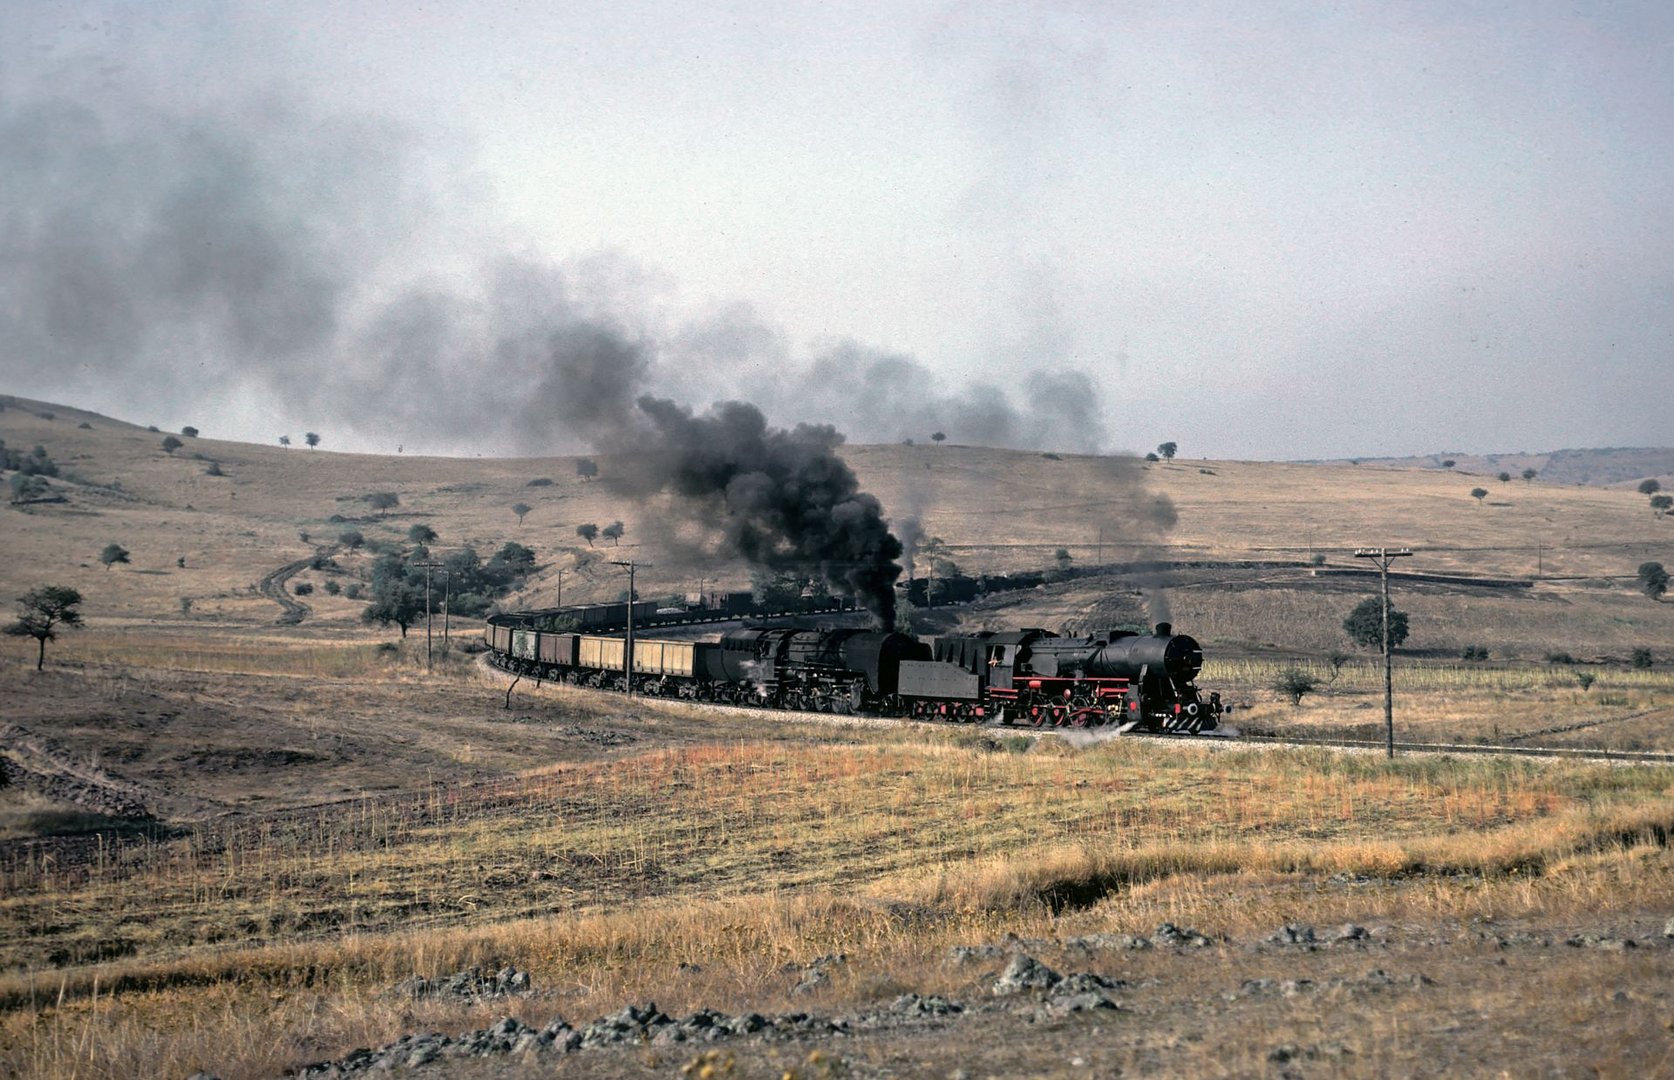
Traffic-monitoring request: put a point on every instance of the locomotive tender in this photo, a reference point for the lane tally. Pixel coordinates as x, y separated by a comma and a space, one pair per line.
1035, 677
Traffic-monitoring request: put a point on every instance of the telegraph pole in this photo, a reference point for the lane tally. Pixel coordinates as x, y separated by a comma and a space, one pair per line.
428, 566
1383, 557
628, 646
560, 586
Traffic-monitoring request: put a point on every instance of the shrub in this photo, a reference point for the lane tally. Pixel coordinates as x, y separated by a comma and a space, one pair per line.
1318, 558
1474, 652
1642, 659
189, 431
351, 538
303, 588
332, 587
586, 468
1293, 683
1653, 579
113, 554
353, 592
421, 533
1586, 679
1559, 658
540, 481
171, 444
214, 469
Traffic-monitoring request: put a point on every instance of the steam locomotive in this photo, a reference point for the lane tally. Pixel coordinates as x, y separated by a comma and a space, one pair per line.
1035, 677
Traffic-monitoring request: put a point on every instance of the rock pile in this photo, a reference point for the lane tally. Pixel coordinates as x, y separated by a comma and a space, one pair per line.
467, 984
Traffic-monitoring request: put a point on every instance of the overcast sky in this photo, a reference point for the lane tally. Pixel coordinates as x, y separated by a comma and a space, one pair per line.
1260, 230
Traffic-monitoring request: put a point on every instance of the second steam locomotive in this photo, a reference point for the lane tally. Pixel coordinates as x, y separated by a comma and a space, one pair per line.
1134, 681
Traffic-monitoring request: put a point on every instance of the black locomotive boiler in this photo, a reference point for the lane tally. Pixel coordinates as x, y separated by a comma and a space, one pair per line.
1133, 681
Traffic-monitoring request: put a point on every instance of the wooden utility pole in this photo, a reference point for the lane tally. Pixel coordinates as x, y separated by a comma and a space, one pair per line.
628, 645
1383, 557
428, 566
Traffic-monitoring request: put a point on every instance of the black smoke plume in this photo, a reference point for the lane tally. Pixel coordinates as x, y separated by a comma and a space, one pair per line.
781, 499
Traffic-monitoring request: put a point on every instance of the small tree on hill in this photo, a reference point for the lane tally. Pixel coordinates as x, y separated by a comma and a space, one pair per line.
41, 611
1505, 478
421, 533
1653, 579
1479, 494
171, 444
189, 431
1152, 457
1649, 487
521, 509
383, 500
588, 532
1168, 450
351, 538
938, 437
613, 532
1364, 624
1529, 475
586, 468
285, 440
1449, 463
1661, 504
1293, 683
312, 439
113, 554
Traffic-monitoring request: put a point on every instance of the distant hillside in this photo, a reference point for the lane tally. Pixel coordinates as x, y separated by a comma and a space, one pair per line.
1614, 466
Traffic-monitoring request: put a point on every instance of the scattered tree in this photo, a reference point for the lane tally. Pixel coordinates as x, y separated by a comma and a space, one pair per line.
303, 588
312, 439
1168, 450
420, 533
113, 554
1063, 558
1529, 475
1474, 653
938, 437
1586, 679
41, 611
1336, 658
180, 562
383, 500
171, 444
284, 440
302, 534
332, 587
540, 481
1661, 504
587, 532
189, 431
1448, 463
586, 468
1293, 683
1479, 494
351, 538
1505, 478
1365, 624
1642, 659
520, 510
1152, 457
613, 532
1653, 579
26, 488
1649, 487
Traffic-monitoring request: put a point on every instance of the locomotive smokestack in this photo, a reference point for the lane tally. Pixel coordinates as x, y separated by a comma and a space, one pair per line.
1165, 629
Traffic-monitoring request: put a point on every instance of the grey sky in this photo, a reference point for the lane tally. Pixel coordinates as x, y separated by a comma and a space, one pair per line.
1259, 230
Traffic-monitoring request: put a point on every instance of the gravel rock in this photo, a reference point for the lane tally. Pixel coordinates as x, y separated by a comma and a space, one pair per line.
1025, 973
1348, 933
1100, 942
968, 954
470, 983
1668, 929
1601, 941
1294, 934
1169, 934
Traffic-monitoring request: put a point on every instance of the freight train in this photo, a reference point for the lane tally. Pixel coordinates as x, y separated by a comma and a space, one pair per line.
1134, 681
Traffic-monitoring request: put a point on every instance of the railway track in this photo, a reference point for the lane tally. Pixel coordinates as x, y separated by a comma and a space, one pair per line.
1281, 741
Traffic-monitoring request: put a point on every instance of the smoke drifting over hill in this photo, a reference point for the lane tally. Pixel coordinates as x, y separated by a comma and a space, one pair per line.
272, 254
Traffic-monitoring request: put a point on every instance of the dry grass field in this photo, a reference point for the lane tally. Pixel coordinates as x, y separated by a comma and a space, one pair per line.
234, 837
